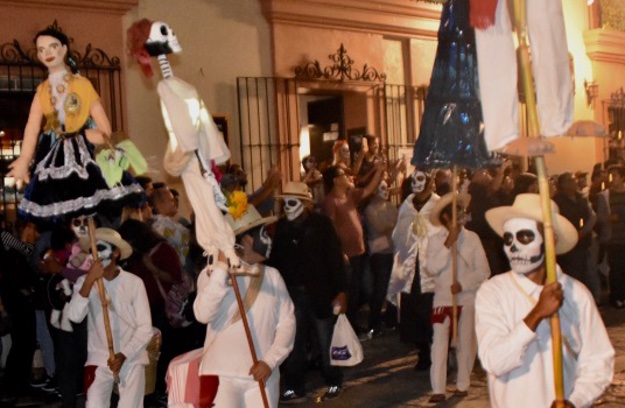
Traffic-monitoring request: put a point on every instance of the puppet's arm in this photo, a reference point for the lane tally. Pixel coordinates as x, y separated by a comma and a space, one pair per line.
19, 167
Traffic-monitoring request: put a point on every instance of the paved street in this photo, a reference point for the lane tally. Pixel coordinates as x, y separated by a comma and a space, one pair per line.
386, 378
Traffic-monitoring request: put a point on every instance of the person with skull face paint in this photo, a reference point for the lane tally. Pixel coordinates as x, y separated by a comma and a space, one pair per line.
129, 312
307, 252
512, 317
410, 287
228, 376
472, 270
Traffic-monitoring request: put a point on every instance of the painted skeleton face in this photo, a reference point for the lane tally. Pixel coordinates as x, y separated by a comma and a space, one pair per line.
293, 208
383, 190
419, 180
80, 228
105, 252
162, 40
523, 244
262, 242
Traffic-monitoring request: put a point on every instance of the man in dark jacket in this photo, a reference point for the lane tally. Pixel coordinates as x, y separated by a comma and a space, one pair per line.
307, 252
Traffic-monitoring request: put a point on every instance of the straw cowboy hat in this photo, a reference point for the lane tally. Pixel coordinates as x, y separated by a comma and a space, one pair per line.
528, 206
112, 237
251, 218
297, 189
462, 199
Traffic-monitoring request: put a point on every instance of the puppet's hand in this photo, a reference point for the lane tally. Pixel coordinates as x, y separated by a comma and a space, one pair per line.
18, 169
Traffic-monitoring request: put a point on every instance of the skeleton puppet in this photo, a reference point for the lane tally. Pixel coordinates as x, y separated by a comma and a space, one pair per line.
194, 140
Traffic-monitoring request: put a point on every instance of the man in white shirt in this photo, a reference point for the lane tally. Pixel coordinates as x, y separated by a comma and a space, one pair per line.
129, 314
512, 311
227, 368
472, 269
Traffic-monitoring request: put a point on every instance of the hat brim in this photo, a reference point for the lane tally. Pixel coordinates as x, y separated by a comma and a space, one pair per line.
298, 196
262, 221
566, 234
124, 247
462, 199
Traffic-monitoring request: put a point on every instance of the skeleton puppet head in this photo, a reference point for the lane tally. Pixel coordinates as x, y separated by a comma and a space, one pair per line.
382, 190
162, 40
523, 244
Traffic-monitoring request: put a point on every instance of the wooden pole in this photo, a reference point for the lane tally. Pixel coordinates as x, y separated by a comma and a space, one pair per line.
248, 334
454, 257
519, 20
102, 294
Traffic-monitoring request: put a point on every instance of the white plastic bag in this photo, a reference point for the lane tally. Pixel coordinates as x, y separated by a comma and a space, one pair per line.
345, 349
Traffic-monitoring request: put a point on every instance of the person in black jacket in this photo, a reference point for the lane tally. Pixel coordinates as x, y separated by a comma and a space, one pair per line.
307, 252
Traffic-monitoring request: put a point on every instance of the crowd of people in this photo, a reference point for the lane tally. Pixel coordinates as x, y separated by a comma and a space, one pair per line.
350, 250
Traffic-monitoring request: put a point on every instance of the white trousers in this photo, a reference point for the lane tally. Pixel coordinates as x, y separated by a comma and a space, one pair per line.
131, 388
245, 393
466, 351
497, 68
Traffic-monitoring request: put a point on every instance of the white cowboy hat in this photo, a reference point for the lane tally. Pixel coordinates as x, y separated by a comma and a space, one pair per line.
529, 206
251, 218
112, 237
297, 189
462, 199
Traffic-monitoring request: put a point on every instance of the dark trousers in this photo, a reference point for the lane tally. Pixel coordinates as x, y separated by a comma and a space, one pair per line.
616, 260
381, 266
70, 356
354, 278
306, 324
23, 343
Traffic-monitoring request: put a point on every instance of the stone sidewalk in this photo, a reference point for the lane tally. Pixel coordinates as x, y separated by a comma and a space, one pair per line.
386, 378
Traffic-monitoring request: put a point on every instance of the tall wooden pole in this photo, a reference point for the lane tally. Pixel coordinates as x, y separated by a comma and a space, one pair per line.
519, 21
454, 257
102, 294
248, 334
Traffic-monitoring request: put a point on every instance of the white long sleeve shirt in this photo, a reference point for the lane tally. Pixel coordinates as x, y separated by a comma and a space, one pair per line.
129, 313
271, 318
472, 267
519, 361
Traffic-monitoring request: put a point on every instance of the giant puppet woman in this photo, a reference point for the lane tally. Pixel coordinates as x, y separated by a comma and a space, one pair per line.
66, 181
195, 142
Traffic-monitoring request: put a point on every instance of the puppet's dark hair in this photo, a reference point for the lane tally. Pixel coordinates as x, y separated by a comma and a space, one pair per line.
52, 31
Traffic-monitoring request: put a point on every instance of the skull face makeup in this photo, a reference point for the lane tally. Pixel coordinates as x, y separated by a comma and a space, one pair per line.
419, 180
162, 40
80, 228
105, 252
293, 208
344, 151
262, 242
383, 190
523, 245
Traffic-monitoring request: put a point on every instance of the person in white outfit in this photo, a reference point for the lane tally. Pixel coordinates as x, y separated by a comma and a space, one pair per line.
512, 318
227, 368
129, 314
472, 271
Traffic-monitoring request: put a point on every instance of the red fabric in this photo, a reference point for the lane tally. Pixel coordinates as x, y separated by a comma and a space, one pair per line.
89, 376
208, 390
482, 13
440, 313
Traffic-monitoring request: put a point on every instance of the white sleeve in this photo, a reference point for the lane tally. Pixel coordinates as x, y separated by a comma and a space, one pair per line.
500, 349
479, 270
143, 332
210, 293
438, 255
285, 331
79, 305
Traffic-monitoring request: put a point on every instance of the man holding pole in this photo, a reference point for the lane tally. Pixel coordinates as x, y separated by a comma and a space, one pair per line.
513, 311
236, 371
454, 288
129, 314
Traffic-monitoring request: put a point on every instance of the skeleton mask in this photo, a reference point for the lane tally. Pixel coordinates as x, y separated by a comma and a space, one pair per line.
419, 180
162, 40
262, 242
383, 190
293, 208
105, 252
310, 163
80, 228
523, 245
